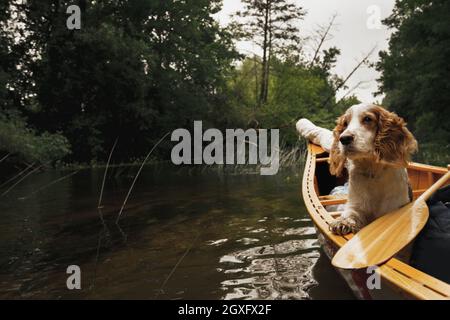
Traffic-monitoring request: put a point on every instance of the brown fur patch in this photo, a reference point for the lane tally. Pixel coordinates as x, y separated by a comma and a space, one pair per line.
337, 159
393, 141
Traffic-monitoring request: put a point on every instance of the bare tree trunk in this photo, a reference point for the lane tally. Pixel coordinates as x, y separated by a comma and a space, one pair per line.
267, 74
256, 67
265, 56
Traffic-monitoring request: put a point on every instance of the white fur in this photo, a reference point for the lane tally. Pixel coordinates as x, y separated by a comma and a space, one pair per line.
320, 136
374, 188
363, 137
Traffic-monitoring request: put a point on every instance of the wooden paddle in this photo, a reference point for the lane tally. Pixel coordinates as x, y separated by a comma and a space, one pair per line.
383, 238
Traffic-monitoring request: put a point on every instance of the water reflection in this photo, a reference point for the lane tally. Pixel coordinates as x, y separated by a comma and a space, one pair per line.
181, 237
279, 270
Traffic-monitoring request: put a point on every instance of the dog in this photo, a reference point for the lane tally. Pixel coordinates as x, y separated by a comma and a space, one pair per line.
374, 145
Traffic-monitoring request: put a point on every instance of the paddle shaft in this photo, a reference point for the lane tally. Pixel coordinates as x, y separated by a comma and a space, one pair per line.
429, 192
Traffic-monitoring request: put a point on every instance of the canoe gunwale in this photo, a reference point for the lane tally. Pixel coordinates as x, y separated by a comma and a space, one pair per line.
411, 282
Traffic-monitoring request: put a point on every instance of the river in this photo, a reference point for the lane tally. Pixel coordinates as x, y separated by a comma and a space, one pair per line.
184, 234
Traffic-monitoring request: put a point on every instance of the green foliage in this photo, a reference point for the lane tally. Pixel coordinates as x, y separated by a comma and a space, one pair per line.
139, 69
271, 25
415, 70
17, 139
135, 70
296, 90
23, 143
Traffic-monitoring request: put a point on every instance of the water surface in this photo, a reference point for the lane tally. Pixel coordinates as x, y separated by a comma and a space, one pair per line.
184, 234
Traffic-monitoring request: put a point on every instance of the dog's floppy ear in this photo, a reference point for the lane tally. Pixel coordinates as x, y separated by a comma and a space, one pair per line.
337, 159
393, 142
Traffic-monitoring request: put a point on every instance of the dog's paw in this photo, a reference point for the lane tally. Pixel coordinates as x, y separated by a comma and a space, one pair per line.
343, 226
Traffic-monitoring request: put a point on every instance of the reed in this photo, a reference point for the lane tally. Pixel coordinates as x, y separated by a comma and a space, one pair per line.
20, 180
104, 176
291, 157
51, 183
161, 289
137, 176
5, 157
17, 175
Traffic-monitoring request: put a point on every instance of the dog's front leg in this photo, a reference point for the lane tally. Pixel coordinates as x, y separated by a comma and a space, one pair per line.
320, 136
349, 222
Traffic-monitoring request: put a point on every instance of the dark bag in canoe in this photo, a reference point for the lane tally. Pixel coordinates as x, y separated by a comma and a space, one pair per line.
431, 250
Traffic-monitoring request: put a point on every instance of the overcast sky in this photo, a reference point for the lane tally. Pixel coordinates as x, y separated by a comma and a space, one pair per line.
352, 35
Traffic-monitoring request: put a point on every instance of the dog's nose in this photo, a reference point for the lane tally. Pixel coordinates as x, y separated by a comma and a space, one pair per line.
346, 140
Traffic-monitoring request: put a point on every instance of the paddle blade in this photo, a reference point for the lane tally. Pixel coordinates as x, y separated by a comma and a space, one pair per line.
383, 238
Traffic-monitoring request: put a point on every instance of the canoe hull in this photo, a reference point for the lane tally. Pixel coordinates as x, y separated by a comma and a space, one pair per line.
397, 279
357, 279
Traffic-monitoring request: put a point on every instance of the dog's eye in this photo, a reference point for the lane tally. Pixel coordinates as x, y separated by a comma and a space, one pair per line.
367, 119
345, 123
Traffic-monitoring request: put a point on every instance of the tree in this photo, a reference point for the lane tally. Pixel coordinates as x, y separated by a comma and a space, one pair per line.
8, 60
271, 24
416, 67
136, 70
18, 142
192, 55
297, 90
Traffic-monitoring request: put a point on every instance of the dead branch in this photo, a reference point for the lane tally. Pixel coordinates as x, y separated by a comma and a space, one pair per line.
323, 37
342, 84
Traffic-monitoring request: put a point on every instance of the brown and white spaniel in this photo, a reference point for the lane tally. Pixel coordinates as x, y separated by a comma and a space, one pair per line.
374, 146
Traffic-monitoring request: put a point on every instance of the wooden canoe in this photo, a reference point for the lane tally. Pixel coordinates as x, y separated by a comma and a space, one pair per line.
398, 279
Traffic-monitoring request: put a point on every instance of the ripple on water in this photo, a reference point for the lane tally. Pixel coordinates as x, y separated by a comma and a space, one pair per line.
216, 242
273, 278
303, 220
247, 241
230, 259
260, 230
286, 247
302, 231
274, 271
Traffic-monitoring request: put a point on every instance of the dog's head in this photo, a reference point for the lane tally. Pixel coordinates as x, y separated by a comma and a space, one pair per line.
370, 132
